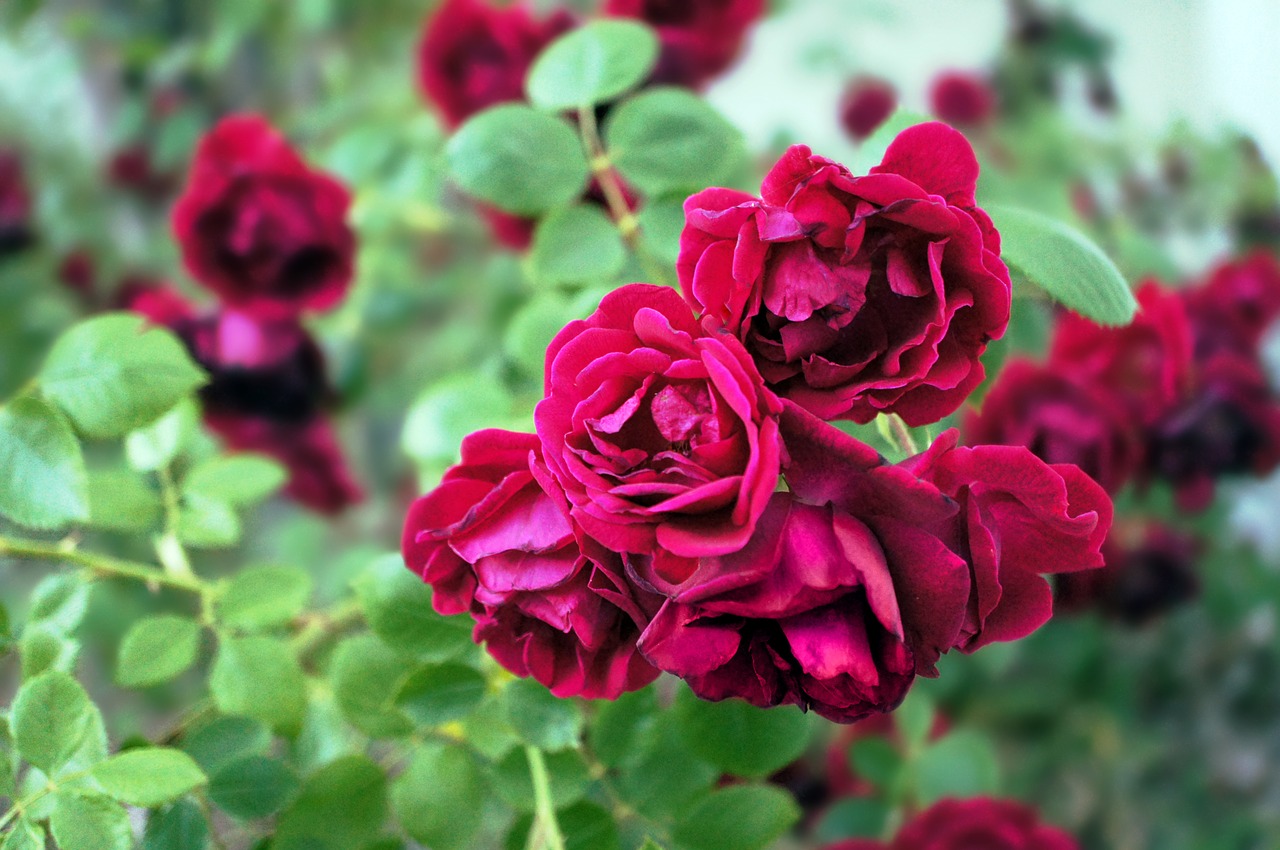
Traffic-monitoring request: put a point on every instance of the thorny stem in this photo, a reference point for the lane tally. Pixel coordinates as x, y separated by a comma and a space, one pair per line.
546, 829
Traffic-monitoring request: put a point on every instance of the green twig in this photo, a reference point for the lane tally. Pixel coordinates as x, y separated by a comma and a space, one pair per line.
29, 801
102, 565
546, 829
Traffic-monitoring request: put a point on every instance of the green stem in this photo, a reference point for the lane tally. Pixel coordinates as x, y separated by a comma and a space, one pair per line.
900, 430
173, 557
545, 824
602, 170
27, 802
103, 565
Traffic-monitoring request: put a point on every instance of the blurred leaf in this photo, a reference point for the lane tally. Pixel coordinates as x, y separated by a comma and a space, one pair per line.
567, 772
669, 139
1065, 264
743, 817
90, 823
662, 752
541, 718
619, 725
225, 739
259, 677
149, 776
592, 64
252, 787
518, 159
181, 826
59, 601
366, 674
962, 764
533, 328
661, 223
156, 649
341, 806
156, 445
577, 244
120, 500
449, 411
42, 477
206, 523
397, 605
52, 720
585, 826
440, 694
44, 649
739, 738
115, 373
914, 719
439, 799
24, 836
854, 818
875, 760
263, 597
238, 480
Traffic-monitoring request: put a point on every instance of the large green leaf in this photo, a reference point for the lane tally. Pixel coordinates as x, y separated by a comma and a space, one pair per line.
149, 776
263, 597
540, 718
366, 674
253, 787
592, 64
52, 719
90, 823
341, 806
155, 649
669, 139
42, 478
743, 817
577, 244
439, 799
739, 738
397, 605
259, 677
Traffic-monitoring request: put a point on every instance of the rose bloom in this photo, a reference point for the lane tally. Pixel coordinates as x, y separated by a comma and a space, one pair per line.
1061, 420
474, 55
700, 38
261, 229
980, 823
664, 438
1150, 570
866, 104
963, 99
1232, 312
495, 539
855, 295
15, 205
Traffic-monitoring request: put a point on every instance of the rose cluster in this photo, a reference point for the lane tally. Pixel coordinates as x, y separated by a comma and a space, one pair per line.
685, 504
269, 237
981, 822
474, 55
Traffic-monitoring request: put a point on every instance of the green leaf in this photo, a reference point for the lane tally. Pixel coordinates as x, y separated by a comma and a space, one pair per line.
1065, 264
156, 649
59, 601
225, 739
52, 719
207, 523
24, 836
875, 760
341, 806
532, 329
42, 479
439, 799
446, 413
253, 787
669, 139
149, 776
264, 597
914, 719
592, 64
661, 751
661, 224
114, 373
541, 718
619, 725
962, 764
577, 244
566, 770
518, 159
854, 818
90, 823
238, 480
366, 674
585, 826
743, 817
43, 649
741, 739
156, 445
259, 677
120, 500
397, 605
440, 694
181, 826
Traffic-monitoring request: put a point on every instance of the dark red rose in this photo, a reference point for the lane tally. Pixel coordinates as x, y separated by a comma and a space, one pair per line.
260, 228
495, 539
1061, 420
1019, 517
980, 823
963, 99
1237, 306
474, 55
700, 38
15, 205
1229, 424
133, 169
1150, 569
866, 104
77, 273
856, 844
1146, 364
663, 437
856, 295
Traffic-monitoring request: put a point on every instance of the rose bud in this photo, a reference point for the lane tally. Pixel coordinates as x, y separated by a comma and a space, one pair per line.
962, 99
856, 295
1150, 569
700, 38
261, 229
474, 55
866, 104
1019, 517
664, 438
1060, 420
981, 822
15, 205
133, 169
1235, 309
495, 539
1229, 425
1145, 364
77, 273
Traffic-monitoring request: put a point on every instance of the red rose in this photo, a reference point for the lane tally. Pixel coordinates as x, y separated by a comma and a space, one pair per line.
1019, 517
1150, 569
963, 99
1233, 311
133, 169
700, 38
867, 103
77, 273
980, 823
474, 55
494, 541
261, 229
856, 295
1061, 420
663, 437
15, 205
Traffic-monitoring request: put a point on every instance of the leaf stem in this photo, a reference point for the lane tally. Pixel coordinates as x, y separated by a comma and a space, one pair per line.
602, 170
27, 802
545, 825
103, 565
903, 435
